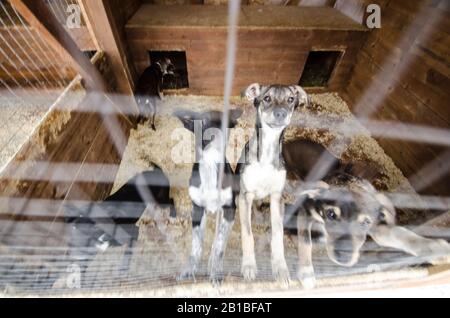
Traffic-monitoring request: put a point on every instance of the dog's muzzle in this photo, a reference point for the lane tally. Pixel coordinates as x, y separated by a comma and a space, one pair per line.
343, 251
280, 114
279, 118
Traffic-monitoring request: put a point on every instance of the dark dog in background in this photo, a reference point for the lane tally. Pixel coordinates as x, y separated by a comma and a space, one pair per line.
346, 208
99, 225
148, 89
301, 156
262, 171
204, 190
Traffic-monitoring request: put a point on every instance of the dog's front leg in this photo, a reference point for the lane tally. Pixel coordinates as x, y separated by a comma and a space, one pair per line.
279, 267
198, 228
403, 239
305, 271
248, 245
223, 228
153, 114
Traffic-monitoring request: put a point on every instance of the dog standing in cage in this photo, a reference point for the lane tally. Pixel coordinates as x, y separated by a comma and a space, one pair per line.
262, 171
205, 192
149, 89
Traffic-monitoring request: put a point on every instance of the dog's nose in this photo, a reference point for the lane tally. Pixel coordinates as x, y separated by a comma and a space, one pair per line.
280, 114
343, 257
343, 249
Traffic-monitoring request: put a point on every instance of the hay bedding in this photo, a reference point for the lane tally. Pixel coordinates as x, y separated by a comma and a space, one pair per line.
18, 118
164, 242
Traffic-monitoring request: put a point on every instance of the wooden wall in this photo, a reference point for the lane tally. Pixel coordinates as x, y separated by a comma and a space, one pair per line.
406, 66
306, 3
77, 137
41, 63
73, 137
272, 44
26, 58
356, 9
122, 12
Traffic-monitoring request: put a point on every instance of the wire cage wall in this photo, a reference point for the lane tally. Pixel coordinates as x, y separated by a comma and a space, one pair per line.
70, 138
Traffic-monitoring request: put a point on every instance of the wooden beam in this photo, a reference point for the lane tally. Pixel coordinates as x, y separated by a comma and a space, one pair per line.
104, 28
39, 16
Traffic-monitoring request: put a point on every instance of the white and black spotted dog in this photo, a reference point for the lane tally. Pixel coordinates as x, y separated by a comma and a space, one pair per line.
262, 172
204, 190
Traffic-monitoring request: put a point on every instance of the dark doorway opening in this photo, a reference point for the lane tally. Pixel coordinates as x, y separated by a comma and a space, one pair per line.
89, 54
178, 58
319, 67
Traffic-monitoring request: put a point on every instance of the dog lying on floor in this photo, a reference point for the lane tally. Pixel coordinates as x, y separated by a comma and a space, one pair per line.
347, 209
96, 226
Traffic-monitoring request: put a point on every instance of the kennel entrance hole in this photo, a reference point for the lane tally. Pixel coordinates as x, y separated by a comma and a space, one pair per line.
318, 68
178, 58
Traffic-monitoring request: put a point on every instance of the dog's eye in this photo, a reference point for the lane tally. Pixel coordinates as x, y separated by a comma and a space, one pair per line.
331, 214
290, 99
267, 99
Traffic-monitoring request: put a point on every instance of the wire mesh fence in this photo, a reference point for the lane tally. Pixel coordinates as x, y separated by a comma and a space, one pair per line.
58, 243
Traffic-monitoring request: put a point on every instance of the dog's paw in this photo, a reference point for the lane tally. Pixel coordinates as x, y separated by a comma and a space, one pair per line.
306, 277
188, 273
439, 250
436, 248
280, 272
249, 271
443, 245
308, 282
216, 278
215, 268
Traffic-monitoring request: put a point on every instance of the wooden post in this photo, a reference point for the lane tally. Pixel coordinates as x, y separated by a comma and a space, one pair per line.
103, 27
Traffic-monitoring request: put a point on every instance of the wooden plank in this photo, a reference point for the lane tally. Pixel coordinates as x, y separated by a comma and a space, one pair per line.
108, 38
316, 3
256, 61
419, 94
71, 136
251, 17
408, 107
83, 38
411, 156
39, 16
356, 9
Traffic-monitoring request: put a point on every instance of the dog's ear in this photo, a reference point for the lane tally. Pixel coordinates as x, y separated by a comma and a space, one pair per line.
303, 98
234, 116
252, 91
187, 118
315, 191
312, 199
387, 210
311, 193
